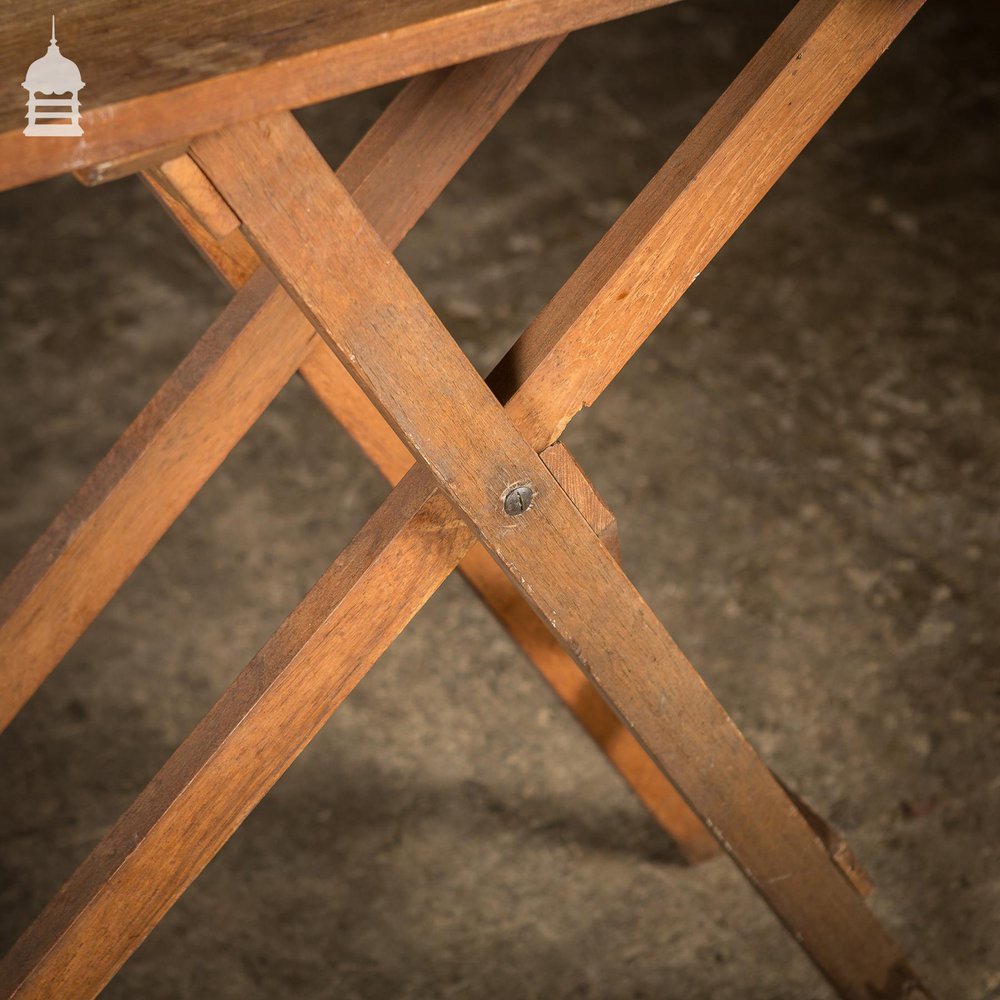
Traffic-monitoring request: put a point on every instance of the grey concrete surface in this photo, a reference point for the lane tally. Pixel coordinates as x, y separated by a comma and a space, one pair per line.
804, 460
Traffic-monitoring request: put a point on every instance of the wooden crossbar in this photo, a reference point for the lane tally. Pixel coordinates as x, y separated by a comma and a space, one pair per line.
341, 395
471, 450
332, 263
177, 441
113, 521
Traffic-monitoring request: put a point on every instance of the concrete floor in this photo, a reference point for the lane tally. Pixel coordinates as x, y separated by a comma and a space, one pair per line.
804, 460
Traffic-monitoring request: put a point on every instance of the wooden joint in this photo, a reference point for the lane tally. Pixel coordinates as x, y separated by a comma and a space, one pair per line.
567, 473
124, 166
834, 843
184, 179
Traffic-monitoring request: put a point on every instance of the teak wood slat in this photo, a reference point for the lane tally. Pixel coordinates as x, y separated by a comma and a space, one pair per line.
312, 235
416, 129
387, 368
695, 203
169, 452
241, 364
341, 395
248, 739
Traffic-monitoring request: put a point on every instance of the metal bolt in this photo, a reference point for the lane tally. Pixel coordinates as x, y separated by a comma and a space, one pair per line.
518, 499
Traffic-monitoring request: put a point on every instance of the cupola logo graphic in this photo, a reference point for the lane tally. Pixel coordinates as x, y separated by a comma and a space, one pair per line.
59, 77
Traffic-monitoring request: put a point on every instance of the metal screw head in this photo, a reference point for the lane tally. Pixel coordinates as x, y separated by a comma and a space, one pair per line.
518, 499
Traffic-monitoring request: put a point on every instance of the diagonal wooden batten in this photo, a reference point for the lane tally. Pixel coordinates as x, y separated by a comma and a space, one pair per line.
64, 932
181, 177
436, 121
248, 739
671, 232
189, 810
210, 402
341, 395
416, 128
143, 484
232, 258
304, 224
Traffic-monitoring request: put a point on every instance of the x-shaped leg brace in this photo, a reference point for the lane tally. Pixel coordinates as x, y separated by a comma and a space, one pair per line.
471, 451
233, 373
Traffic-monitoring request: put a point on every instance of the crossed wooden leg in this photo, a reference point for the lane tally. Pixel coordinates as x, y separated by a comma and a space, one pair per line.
332, 263
232, 375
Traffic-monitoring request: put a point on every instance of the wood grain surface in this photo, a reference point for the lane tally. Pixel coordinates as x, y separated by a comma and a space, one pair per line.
256, 729
156, 73
312, 235
700, 197
340, 394
207, 405
428, 123
170, 450
310, 231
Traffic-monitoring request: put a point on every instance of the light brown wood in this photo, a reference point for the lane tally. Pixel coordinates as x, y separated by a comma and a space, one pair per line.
425, 124
567, 472
833, 840
239, 750
653, 685
171, 449
210, 402
232, 258
182, 178
341, 395
331, 262
95, 174
158, 73
700, 197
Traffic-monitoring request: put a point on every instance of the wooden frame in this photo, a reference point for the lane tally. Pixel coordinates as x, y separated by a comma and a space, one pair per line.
318, 290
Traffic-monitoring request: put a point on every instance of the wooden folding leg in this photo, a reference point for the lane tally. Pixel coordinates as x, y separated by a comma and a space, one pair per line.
316, 240
240, 749
152, 473
182, 190
357, 295
341, 395
381, 328
210, 402
143, 484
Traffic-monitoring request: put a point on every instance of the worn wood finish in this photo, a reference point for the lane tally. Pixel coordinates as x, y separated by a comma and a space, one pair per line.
258, 727
232, 258
567, 472
833, 840
341, 395
671, 232
471, 446
424, 125
104, 171
312, 235
169, 452
182, 178
159, 73
210, 402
